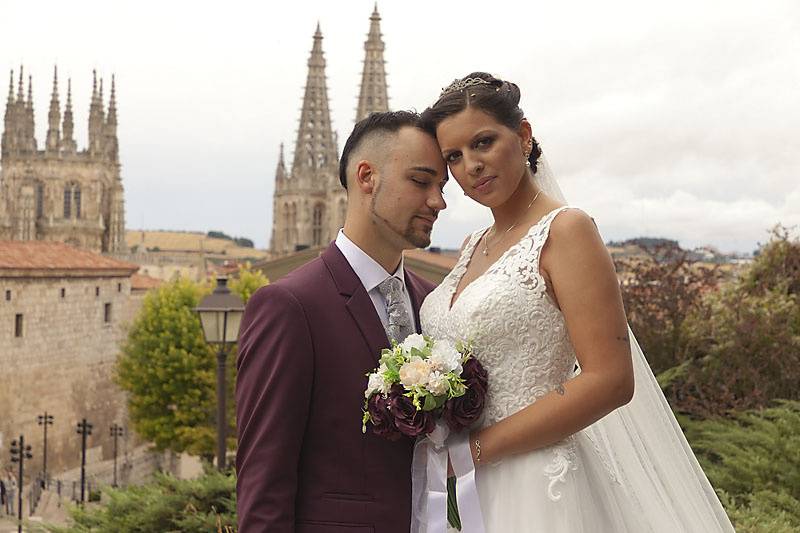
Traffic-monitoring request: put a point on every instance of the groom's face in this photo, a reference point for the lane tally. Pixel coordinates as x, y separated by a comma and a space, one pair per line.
407, 196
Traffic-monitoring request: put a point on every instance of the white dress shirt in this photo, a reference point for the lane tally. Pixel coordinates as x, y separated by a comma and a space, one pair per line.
371, 275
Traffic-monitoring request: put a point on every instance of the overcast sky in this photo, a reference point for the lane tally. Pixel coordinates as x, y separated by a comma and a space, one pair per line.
675, 119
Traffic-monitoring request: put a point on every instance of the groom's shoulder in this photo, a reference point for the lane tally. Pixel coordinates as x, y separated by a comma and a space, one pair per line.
301, 285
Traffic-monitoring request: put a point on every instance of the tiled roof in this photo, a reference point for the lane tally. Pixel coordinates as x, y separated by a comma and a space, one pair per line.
144, 282
48, 256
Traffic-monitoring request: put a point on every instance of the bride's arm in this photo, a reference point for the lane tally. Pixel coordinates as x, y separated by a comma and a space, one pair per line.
582, 277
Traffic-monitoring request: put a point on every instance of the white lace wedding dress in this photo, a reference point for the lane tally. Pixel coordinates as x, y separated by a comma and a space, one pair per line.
579, 484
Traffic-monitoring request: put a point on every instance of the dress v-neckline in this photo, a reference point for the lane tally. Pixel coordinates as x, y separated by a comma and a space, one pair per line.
453, 300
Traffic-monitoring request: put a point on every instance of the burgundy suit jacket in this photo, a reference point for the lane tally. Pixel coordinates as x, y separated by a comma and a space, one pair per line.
303, 465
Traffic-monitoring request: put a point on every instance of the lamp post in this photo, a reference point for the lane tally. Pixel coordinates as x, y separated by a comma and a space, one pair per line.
45, 420
84, 429
19, 452
220, 314
116, 432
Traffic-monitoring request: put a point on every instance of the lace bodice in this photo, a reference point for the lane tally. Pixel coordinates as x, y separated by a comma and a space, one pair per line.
519, 334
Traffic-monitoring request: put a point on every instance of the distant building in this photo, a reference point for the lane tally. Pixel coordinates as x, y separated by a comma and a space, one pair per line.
309, 203
64, 312
60, 193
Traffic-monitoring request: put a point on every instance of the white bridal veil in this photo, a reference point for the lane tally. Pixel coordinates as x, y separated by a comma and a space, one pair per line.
644, 446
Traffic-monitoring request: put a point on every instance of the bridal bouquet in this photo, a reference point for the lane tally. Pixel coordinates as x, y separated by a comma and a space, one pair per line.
421, 381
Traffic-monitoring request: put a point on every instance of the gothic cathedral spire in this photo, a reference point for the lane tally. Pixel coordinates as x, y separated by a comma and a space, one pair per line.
96, 118
68, 144
8, 122
111, 142
30, 139
280, 171
54, 118
374, 95
316, 146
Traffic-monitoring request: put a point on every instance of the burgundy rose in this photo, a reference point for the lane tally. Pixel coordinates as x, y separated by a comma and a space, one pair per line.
475, 375
381, 418
407, 418
461, 412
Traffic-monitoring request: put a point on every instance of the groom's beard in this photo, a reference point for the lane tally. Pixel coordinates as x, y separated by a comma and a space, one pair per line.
417, 238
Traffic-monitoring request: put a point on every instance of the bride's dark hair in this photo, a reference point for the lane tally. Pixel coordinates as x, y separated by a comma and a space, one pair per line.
498, 98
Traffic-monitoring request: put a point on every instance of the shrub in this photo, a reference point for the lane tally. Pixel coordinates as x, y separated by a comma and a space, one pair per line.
205, 504
753, 459
659, 291
743, 342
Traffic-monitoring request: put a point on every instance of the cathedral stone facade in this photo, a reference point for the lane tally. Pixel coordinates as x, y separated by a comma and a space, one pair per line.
309, 203
60, 193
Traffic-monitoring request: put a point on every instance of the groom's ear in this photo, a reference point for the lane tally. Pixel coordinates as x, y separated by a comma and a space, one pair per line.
365, 176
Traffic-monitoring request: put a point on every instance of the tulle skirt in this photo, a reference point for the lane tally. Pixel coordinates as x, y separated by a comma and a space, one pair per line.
565, 488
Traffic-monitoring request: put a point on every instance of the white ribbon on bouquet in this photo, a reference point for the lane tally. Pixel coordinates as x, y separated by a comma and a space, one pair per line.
429, 482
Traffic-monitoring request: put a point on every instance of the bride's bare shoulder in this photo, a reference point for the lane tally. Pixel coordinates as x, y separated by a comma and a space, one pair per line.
573, 237
574, 223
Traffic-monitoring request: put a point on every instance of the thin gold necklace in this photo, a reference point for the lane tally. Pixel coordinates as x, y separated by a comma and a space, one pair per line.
514, 225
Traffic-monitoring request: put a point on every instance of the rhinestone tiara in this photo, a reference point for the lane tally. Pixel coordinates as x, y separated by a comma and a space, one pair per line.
461, 84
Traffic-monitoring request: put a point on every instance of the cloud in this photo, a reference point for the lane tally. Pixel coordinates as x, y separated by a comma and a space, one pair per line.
682, 111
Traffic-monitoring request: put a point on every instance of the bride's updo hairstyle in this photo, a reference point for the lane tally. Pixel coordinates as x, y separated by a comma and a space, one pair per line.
497, 98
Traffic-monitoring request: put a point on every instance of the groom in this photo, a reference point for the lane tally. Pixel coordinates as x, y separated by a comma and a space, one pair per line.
307, 341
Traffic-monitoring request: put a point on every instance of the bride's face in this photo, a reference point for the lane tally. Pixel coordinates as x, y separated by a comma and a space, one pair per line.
485, 157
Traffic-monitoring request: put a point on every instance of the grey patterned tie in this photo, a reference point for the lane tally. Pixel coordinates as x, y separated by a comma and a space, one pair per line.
399, 325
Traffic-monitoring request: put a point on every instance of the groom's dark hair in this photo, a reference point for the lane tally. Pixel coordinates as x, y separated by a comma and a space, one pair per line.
386, 122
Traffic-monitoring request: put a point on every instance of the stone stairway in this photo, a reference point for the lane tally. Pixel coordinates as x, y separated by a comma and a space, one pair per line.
50, 510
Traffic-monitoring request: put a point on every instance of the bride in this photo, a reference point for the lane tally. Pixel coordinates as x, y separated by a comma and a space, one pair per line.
558, 450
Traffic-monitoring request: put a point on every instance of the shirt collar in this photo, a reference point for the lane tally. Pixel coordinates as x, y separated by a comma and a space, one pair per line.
369, 271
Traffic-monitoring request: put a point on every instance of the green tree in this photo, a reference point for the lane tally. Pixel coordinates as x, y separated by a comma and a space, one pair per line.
169, 371
247, 281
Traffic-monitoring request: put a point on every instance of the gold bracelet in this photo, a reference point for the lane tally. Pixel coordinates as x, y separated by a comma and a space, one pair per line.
477, 450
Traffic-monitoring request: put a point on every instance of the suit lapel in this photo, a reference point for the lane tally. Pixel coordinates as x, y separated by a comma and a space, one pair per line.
360, 307
358, 303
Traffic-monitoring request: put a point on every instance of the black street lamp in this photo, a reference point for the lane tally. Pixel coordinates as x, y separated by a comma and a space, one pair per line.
44, 421
220, 314
84, 428
116, 432
19, 452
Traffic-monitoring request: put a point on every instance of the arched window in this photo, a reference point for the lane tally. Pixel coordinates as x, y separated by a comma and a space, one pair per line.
72, 200
68, 201
316, 226
76, 200
293, 224
39, 199
287, 225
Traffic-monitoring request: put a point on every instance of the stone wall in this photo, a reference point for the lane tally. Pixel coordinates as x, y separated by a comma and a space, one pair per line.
62, 364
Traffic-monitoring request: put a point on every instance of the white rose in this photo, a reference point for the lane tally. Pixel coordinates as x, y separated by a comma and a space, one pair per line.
437, 383
415, 372
376, 384
415, 340
445, 358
